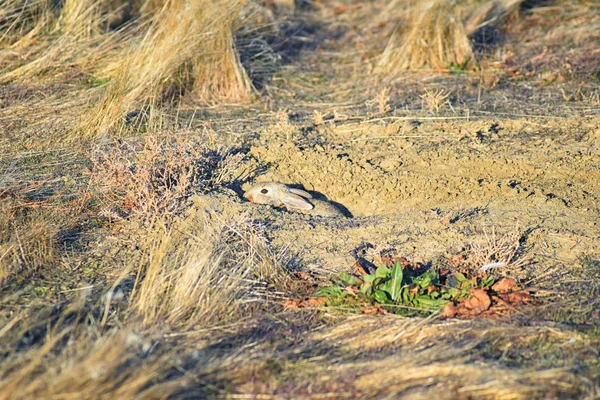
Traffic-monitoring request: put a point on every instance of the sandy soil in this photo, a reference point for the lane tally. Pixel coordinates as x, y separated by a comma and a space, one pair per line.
425, 189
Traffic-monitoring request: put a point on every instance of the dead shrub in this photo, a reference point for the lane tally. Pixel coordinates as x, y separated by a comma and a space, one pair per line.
435, 100
492, 248
155, 177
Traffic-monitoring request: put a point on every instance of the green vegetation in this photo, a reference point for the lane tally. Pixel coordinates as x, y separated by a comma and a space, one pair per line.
392, 287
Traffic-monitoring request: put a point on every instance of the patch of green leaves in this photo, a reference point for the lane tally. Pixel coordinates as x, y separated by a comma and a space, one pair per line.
397, 289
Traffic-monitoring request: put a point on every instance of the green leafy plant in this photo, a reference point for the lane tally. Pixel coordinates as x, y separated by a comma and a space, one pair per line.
393, 287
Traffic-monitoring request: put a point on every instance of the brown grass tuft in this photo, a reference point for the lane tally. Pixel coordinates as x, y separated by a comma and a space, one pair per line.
437, 39
21, 22
80, 18
217, 72
188, 48
445, 359
25, 247
175, 48
61, 43
435, 100
285, 6
194, 280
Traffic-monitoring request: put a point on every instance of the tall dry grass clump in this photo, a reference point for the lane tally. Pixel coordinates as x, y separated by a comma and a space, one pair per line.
80, 18
133, 55
21, 21
436, 39
196, 275
187, 49
60, 40
217, 71
148, 8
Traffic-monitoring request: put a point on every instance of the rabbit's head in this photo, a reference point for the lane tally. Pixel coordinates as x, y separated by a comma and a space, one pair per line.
278, 195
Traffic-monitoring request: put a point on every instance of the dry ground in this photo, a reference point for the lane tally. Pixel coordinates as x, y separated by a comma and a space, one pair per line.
132, 267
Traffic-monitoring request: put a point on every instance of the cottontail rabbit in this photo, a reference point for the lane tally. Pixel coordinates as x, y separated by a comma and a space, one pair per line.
279, 195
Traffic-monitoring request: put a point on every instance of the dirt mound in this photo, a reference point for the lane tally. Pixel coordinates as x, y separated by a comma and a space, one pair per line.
373, 172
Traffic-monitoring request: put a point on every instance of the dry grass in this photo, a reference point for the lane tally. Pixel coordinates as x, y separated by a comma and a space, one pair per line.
188, 48
115, 363
287, 6
21, 22
80, 18
443, 352
26, 247
436, 39
491, 13
381, 102
175, 49
283, 124
438, 34
406, 357
193, 270
62, 45
176, 291
192, 274
32, 214
196, 280
435, 100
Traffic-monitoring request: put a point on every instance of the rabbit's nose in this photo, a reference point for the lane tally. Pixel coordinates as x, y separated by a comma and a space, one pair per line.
248, 196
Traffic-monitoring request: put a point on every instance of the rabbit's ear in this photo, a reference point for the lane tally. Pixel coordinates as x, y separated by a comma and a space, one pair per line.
292, 201
301, 192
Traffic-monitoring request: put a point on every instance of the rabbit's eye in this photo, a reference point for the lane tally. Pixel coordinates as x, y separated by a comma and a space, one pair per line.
264, 191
